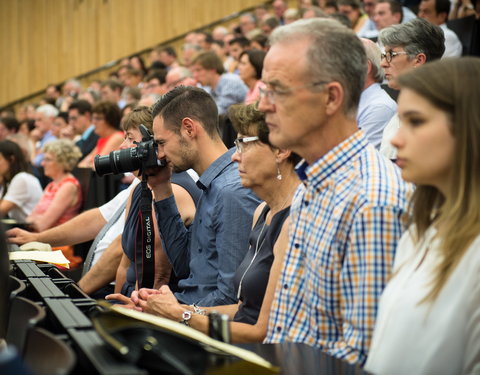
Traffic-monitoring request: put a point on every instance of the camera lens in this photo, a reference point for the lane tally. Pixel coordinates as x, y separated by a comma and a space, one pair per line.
119, 161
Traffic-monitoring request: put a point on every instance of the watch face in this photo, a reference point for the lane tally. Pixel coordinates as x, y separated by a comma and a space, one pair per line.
187, 315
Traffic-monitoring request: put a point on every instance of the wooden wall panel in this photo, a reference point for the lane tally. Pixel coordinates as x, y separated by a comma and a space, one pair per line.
49, 41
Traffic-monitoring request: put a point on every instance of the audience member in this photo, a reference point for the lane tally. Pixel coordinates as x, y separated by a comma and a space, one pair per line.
62, 198
268, 24
168, 56
436, 12
376, 107
236, 47
111, 91
219, 33
279, 8
351, 9
8, 125
136, 62
205, 260
407, 46
346, 216
250, 67
429, 312
60, 128
259, 42
186, 195
106, 119
155, 83
179, 76
43, 126
269, 172
80, 119
247, 23
188, 53
387, 13
226, 88
20, 190
314, 12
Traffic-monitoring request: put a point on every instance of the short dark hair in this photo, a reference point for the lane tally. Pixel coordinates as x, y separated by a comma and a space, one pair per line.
112, 84
241, 40
188, 101
10, 123
169, 51
82, 106
442, 6
395, 7
110, 111
159, 74
209, 60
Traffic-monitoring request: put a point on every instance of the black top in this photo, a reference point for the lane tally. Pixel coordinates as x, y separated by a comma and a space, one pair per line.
182, 179
255, 270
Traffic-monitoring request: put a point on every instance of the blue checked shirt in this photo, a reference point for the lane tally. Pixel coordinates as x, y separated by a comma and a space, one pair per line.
230, 90
346, 219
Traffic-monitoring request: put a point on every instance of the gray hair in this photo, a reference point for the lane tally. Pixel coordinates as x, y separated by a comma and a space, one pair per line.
48, 110
374, 56
335, 54
416, 36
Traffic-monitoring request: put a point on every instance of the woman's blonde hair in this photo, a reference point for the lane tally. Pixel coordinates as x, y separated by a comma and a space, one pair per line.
65, 152
451, 85
139, 115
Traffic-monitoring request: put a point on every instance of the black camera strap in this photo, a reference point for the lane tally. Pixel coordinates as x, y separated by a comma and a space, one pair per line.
145, 240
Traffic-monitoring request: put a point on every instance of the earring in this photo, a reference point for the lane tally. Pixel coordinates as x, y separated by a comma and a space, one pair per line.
279, 175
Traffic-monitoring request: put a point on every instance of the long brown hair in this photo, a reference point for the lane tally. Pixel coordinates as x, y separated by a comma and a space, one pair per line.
451, 85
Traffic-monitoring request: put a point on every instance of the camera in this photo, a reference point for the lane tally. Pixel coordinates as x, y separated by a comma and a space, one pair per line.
141, 157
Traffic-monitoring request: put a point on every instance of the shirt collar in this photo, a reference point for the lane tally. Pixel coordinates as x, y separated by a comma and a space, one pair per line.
333, 160
215, 169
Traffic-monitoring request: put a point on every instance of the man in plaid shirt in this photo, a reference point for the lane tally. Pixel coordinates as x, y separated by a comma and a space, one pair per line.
346, 217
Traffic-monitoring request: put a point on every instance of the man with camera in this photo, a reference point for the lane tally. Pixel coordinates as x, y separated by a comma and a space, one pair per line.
186, 131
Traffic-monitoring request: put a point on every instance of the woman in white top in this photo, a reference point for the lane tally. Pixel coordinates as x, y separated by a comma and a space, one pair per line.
428, 320
20, 190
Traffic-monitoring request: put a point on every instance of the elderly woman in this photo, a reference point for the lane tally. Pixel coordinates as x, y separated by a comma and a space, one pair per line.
407, 46
269, 172
428, 320
62, 198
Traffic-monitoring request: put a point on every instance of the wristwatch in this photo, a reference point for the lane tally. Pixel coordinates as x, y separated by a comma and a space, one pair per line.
186, 316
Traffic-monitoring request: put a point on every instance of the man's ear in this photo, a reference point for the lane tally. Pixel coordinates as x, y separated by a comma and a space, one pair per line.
189, 127
335, 97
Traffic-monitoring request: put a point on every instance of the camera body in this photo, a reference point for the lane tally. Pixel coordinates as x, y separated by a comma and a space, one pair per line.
120, 161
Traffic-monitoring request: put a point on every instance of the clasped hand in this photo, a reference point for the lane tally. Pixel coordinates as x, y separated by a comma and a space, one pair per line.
160, 302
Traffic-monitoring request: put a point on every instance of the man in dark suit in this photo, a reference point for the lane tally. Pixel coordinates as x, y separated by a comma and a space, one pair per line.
79, 117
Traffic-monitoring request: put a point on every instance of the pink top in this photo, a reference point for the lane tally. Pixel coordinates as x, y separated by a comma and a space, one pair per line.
254, 94
49, 194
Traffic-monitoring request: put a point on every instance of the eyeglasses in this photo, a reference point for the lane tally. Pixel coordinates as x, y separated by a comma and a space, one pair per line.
389, 55
98, 118
241, 142
273, 94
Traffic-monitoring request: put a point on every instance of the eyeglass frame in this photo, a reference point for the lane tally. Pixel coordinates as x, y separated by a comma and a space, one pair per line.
241, 142
385, 55
269, 93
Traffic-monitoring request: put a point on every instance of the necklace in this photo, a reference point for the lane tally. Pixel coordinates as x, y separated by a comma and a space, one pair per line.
258, 246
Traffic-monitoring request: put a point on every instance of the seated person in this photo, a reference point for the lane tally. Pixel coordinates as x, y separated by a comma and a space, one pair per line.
20, 190
106, 119
269, 173
62, 198
186, 195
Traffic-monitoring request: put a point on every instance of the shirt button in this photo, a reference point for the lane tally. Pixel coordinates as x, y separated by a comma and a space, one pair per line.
279, 329
285, 286
306, 203
297, 245
199, 250
191, 276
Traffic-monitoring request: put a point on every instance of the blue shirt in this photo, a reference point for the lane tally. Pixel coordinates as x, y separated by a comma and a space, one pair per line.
230, 90
48, 137
375, 110
345, 221
206, 257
